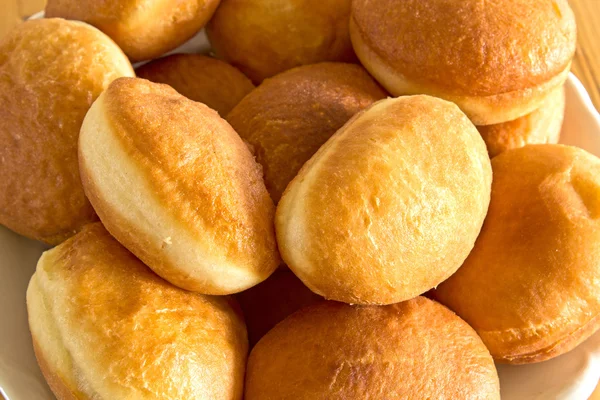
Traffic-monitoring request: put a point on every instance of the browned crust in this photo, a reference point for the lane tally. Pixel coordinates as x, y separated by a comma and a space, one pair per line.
376, 216
120, 227
51, 70
481, 109
57, 384
129, 330
288, 117
143, 29
264, 38
556, 349
335, 351
529, 287
205, 180
470, 47
200, 78
245, 207
541, 126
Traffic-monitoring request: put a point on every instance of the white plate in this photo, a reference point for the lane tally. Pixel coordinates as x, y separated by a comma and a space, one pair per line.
572, 376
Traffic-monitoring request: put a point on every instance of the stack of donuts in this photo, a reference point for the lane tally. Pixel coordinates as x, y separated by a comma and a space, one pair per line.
344, 199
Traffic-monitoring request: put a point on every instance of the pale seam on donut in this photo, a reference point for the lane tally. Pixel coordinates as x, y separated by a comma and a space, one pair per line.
123, 187
294, 203
532, 331
45, 329
482, 110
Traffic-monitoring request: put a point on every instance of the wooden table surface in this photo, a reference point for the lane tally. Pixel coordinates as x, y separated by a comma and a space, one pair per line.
587, 59
586, 64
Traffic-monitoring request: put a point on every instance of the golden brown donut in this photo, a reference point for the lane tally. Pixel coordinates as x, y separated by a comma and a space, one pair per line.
51, 70
288, 117
530, 286
104, 326
413, 350
541, 126
200, 78
265, 37
270, 302
144, 29
390, 205
497, 59
175, 184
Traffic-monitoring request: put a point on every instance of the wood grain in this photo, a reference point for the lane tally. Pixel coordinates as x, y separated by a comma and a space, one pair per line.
586, 64
587, 59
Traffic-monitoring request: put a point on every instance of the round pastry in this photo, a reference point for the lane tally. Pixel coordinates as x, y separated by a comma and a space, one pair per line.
200, 78
271, 301
51, 70
498, 60
265, 37
530, 286
541, 126
105, 327
416, 349
175, 184
144, 29
390, 206
288, 117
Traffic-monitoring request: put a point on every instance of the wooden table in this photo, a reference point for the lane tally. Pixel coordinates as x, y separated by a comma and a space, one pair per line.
587, 60
586, 64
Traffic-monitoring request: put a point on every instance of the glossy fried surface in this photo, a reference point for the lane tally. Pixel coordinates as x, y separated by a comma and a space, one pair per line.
51, 70
174, 183
415, 349
144, 29
498, 60
288, 117
470, 46
530, 286
541, 126
390, 206
265, 37
200, 78
105, 326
